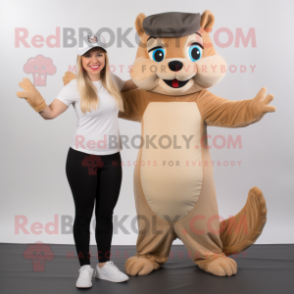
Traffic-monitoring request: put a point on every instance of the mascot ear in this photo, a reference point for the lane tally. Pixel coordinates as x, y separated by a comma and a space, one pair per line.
207, 21
138, 24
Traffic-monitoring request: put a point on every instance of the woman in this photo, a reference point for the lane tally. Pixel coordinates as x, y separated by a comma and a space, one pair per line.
93, 165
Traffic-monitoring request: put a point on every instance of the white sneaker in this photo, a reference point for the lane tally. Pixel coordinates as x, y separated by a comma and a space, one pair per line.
110, 272
85, 277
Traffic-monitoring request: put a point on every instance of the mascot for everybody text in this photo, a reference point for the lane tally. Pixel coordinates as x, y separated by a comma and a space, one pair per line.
175, 64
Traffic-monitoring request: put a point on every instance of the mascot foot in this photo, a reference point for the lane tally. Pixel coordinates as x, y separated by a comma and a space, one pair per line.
138, 266
221, 266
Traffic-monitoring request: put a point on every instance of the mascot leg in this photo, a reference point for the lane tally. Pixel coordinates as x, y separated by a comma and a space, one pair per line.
209, 241
152, 250
200, 229
154, 238
205, 246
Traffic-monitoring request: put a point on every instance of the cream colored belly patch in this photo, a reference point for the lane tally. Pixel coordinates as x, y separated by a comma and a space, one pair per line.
172, 174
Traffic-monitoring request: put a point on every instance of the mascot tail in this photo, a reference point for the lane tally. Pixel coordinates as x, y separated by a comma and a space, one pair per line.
242, 230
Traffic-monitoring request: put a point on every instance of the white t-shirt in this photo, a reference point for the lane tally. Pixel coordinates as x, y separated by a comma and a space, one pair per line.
97, 131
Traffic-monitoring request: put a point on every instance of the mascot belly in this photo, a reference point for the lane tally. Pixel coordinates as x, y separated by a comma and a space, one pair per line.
171, 186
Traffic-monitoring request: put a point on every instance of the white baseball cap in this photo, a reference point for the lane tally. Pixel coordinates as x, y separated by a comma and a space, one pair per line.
91, 41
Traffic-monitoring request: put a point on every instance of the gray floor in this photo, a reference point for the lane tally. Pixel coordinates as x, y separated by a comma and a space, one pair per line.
261, 269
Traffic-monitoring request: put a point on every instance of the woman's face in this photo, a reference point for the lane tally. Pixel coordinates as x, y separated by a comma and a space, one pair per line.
93, 62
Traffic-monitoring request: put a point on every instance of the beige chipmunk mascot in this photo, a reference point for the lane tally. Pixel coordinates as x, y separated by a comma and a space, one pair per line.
175, 63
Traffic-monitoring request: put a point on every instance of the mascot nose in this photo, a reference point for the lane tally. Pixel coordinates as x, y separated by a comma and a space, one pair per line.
175, 65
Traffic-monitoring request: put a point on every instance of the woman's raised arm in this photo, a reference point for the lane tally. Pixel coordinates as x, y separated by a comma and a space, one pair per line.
37, 102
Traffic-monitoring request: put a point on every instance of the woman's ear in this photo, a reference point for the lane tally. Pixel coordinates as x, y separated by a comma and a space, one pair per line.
139, 24
207, 21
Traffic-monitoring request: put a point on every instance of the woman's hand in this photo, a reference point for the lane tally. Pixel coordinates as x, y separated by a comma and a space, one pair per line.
129, 85
32, 95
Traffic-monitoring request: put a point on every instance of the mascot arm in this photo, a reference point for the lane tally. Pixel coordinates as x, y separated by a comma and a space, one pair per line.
217, 111
135, 102
68, 76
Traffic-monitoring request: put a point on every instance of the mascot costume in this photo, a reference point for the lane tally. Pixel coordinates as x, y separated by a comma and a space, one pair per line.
175, 64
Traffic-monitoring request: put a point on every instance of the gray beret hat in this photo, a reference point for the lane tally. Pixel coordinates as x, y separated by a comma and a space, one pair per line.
171, 24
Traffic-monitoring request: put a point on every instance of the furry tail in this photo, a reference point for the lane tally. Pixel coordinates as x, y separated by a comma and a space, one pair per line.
242, 230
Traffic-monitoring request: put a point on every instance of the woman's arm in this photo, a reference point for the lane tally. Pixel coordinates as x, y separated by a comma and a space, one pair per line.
56, 108
37, 102
129, 85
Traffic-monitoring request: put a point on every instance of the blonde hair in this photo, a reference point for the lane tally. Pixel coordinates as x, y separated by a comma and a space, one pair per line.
88, 92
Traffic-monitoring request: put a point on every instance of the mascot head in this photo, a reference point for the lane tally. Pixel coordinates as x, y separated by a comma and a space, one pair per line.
175, 54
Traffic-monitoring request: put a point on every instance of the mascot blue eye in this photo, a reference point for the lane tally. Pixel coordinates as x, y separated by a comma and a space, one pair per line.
158, 54
194, 52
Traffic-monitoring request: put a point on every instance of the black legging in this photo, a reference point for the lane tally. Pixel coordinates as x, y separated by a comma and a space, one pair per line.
93, 177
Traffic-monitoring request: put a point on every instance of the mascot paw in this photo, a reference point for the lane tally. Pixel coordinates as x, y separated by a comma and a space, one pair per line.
138, 266
68, 76
222, 266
